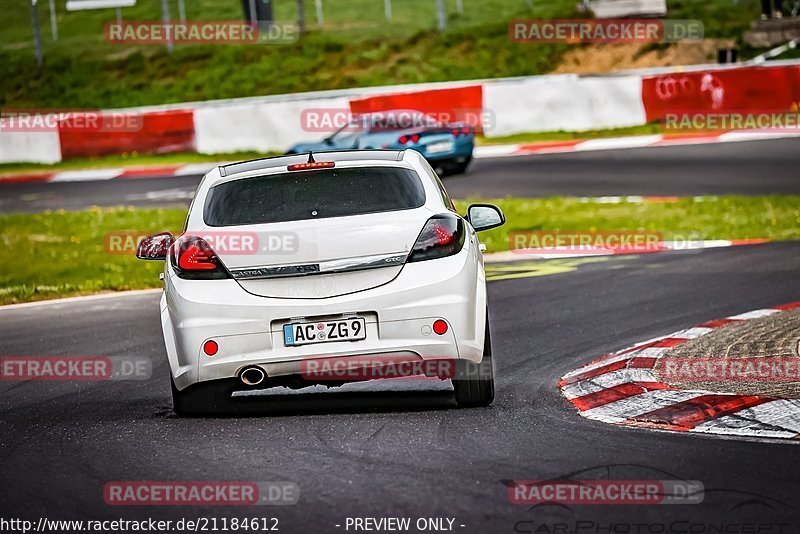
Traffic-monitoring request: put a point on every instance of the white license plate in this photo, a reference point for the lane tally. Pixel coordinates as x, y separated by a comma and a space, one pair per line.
444, 146
352, 329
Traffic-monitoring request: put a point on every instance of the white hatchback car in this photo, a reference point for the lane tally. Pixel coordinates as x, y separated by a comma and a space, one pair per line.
293, 271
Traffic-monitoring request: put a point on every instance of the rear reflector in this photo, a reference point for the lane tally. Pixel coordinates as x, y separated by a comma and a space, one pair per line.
312, 165
210, 347
440, 327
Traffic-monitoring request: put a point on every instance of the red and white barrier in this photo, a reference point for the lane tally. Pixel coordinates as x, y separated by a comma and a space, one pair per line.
564, 102
260, 126
724, 90
517, 105
34, 147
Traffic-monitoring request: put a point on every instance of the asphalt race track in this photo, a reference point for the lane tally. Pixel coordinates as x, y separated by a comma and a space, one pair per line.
746, 168
402, 448
407, 453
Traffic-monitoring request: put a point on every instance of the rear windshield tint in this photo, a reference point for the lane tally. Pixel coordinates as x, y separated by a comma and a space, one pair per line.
303, 195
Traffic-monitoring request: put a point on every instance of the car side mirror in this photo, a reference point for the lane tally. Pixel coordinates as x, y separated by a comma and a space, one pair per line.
155, 247
485, 217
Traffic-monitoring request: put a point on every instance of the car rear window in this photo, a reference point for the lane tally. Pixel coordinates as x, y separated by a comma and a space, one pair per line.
304, 195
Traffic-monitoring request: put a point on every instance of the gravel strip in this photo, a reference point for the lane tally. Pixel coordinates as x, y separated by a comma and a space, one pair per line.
776, 335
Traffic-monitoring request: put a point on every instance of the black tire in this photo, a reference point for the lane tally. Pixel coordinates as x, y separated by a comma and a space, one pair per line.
474, 383
204, 398
460, 167
451, 167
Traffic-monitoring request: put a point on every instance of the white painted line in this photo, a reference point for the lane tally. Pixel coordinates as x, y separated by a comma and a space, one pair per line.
652, 352
753, 136
697, 245
621, 410
612, 143
89, 175
691, 333
755, 314
85, 298
494, 151
607, 380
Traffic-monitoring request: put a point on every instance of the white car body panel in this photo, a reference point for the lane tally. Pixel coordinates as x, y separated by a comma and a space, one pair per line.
246, 317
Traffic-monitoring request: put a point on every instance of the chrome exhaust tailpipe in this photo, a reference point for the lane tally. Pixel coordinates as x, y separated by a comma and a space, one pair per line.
252, 376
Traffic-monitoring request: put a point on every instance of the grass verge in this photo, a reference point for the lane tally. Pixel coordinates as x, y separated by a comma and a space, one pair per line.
59, 254
774, 217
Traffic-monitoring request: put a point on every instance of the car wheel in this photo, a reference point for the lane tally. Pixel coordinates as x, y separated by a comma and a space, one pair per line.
452, 167
461, 167
474, 382
204, 398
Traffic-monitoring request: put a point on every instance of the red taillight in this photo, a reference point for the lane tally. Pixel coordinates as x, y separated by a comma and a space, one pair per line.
455, 132
193, 258
465, 130
442, 236
312, 165
404, 139
196, 258
210, 347
440, 327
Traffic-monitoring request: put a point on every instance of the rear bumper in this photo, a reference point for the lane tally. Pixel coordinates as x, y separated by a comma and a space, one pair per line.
249, 329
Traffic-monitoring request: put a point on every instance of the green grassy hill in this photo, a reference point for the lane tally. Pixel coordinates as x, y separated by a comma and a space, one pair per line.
355, 47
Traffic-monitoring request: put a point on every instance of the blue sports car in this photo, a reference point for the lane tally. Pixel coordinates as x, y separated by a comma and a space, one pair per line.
447, 147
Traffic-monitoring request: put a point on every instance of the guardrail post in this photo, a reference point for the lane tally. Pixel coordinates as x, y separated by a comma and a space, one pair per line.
37, 35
